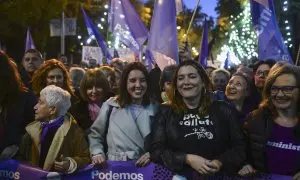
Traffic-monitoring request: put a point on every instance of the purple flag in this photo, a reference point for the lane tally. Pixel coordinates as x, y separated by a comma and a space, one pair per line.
204, 45
163, 34
29, 42
227, 61
92, 30
125, 23
270, 41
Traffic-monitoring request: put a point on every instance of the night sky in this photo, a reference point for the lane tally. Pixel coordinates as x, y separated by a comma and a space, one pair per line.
208, 6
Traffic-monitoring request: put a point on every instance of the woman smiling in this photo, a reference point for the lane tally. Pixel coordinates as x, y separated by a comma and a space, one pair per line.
124, 120
193, 133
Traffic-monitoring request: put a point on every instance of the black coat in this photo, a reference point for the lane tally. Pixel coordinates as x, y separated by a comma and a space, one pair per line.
80, 112
14, 119
258, 131
231, 146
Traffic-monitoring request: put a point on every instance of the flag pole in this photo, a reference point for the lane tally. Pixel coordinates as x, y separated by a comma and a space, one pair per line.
298, 56
62, 40
191, 22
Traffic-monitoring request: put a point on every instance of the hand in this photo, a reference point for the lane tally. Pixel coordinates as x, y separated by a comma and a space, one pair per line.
9, 152
214, 164
98, 159
143, 160
62, 165
199, 164
247, 170
297, 176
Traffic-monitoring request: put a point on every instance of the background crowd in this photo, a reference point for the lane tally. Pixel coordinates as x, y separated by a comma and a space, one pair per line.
185, 117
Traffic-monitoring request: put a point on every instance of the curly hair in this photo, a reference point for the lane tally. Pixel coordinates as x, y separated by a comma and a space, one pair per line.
177, 102
276, 71
10, 79
39, 78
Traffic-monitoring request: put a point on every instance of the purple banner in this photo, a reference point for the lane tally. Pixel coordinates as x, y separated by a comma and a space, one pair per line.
113, 170
270, 41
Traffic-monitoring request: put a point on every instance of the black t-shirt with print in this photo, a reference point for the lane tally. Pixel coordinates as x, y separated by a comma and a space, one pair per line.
197, 135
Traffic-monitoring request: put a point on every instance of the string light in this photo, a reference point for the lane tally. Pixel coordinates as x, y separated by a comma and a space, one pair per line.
242, 42
288, 39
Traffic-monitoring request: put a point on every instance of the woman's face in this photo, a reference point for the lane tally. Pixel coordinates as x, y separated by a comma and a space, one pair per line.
136, 84
95, 94
284, 93
261, 75
236, 89
55, 77
189, 82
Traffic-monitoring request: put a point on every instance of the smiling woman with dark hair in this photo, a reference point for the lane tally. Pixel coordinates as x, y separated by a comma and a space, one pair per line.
124, 121
273, 129
194, 133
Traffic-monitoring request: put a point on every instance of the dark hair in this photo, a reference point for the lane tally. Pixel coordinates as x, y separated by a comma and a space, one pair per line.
10, 80
36, 52
39, 81
176, 99
269, 62
124, 98
167, 75
274, 73
94, 77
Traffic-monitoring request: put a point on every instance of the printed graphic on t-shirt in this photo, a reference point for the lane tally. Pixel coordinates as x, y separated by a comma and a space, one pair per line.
194, 126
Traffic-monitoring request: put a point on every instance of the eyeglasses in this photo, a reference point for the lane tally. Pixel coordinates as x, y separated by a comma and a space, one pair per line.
285, 89
262, 73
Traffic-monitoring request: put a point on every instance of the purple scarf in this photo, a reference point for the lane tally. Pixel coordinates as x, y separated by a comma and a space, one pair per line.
45, 125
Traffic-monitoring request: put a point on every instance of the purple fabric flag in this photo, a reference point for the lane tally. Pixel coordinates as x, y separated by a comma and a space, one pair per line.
204, 45
92, 30
125, 23
270, 41
227, 61
149, 60
29, 42
163, 34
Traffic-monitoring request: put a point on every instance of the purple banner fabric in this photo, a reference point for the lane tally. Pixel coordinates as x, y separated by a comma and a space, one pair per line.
29, 44
92, 30
125, 23
270, 41
204, 45
163, 41
113, 170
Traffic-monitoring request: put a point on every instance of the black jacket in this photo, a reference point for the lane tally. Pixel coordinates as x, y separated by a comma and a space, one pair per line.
229, 136
14, 118
258, 131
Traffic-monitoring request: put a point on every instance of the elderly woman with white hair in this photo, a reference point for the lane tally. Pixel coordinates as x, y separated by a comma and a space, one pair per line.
54, 141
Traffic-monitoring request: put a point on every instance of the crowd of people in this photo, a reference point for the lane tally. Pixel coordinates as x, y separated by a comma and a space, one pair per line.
186, 117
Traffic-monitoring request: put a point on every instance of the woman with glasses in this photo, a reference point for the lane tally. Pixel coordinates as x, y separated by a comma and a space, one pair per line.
261, 70
192, 133
273, 130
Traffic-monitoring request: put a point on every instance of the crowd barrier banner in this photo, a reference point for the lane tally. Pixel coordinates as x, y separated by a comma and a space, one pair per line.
12, 169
